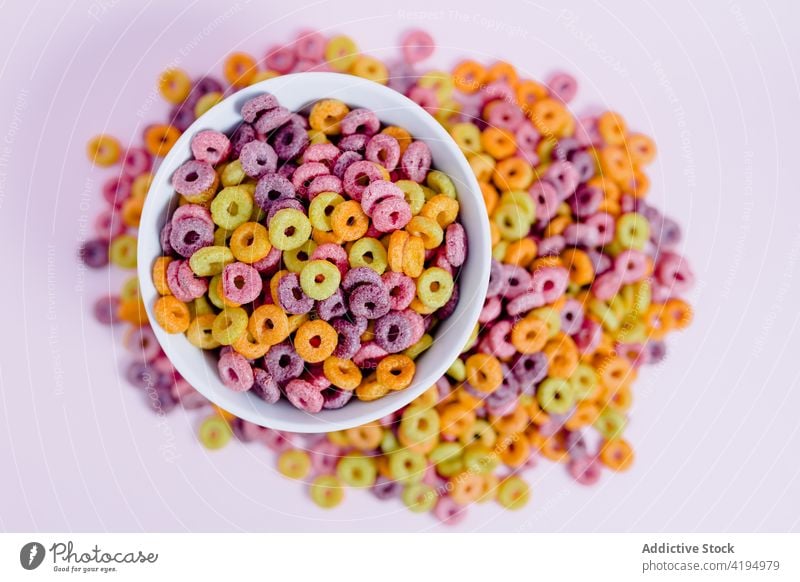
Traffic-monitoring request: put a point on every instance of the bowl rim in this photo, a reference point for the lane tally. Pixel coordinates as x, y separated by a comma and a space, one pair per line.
479, 243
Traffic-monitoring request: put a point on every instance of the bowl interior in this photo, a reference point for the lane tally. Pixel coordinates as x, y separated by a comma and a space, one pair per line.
295, 92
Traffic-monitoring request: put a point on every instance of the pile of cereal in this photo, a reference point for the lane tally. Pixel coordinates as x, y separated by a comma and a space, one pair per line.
586, 285
315, 265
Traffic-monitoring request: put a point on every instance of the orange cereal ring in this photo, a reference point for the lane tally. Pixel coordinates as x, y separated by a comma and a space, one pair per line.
554, 448
396, 371
639, 186
414, 257
581, 269
529, 335
548, 116
513, 173
562, 355
326, 116
370, 389
273, 285
614, 372
341, 373
484, 372
466, 487
641, 148
348, 221
455, 418
656, 320
616, 454
521, 252
132, 211
365, 437
490, 196
251, 347
442, 209
503, 72
159, 139
516, 452
103, 150
616, 164
468, 76
498, 143
402, 136
511, 423
557, 225
396, 250
482, 166
315, 340
174, 86
585, 414
621, 398
538, 416
321, 237
239, 69
160, 275
172, 314
678, 313
611, 127
528, 92
269, 324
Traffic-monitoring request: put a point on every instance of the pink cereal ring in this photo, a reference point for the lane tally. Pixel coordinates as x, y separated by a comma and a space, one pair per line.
455, 244
604, 223
192, 211
235, 371
550, 282
324, 457
281, 59
524, 303
258, 159
673, 272
257, 105
416, 161
498, 90
360, 121
425, 98
376, 192
391, 214
417, 323
588, 337
137, 161
304, 175
310, 46
505, 116
326, 183
545, 195
356, 174
369, 354
384, 150
417, 45
211, 146
193, 285
117, 190
279, 440
498, 340
581, 234
564, 175
631, 265
607, 285
174, 282
333, 253
325, 153
585, 470
449, 512
241, 283
108, 224
402, 289
492, 308
304, 395
563, 86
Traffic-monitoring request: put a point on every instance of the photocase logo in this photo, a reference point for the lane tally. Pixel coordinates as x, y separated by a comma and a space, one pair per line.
31, 555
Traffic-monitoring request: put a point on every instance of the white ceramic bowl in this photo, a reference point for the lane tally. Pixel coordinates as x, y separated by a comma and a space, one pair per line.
296, 92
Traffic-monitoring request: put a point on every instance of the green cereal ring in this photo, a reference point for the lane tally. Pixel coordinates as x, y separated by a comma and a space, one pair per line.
389, 443
444, 452
232, 207
633, 231
642, 297
420, 425
428, 192
413, 194
215, 432
513, 493
467, 136
555, 395
213, 292
210, 261
521, 200
221, 237
473, 337
512, 221
423, 344
296, 259
233, 174
499, 250
294, 464
320, 279
369, 252
407, 466
419, 497
289, 229
200, 306
357, 470
321, 208
551, 317
434, 287
608, 319
632, 330
327, 491
199, 333
480, 459
611, 423
583, 381
458, 370
441, 183
122, 251
229, 325
130, 289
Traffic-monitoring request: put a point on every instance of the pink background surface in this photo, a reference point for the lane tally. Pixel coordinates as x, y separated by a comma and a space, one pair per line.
715, 427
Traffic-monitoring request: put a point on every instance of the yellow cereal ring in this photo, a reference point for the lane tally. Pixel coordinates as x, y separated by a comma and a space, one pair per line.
199, 332
103, 150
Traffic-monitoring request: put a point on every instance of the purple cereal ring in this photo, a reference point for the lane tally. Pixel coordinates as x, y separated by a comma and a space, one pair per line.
292, 297
586, 200
505, 115
402, 76
496, 279
343, 162
665, 233
384, 488
283, 363
446, 310
272, 119
315, 376
270, 188
190, 235
290, 140
355, 176
550, 282
269, 264
305, 174
524, 303
304, 395
360, 276
279, 440
265, 386
401, 288
584, 165
136, 161
455, 244
241, 283
163, 238
393, 332
324, 457
349, 340
581, 234
105, 309
182, 116
527, 138
140, 374
194, 178
673, 272
516, 281
632, 265
571, 316
384, 150
324, 153
584, 469
356, 143
655, 351
376, 192
564, 148
492, 307
605, 225
369, 300
369, 355
607, 285
211, 146
360, 121
391, 214
117, 190
235, 371
333, 306
588, 337
416, 161
529, 370
333, 253
417, 323
108, 224
257, 105
545, 195
600, 262
326, 183
242, 136
439, 259
279, 205
141, 342
334, 398
258, 159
